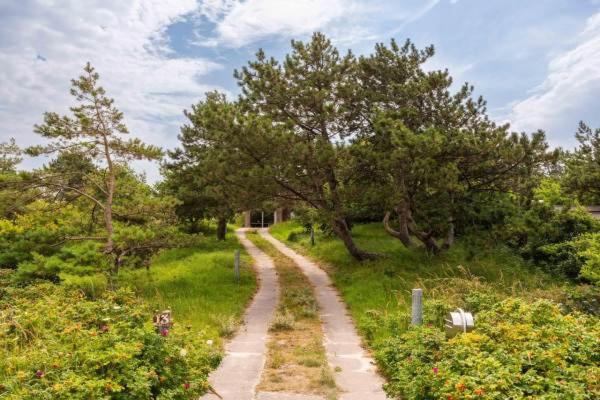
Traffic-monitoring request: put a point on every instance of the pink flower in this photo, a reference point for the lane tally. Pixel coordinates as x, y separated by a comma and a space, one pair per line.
39, 373
104, 328
186, 385
435, 370
164, 332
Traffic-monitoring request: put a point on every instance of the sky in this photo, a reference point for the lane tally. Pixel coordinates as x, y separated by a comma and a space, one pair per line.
537, 63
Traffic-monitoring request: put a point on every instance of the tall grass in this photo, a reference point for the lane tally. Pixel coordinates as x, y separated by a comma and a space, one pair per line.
198, 285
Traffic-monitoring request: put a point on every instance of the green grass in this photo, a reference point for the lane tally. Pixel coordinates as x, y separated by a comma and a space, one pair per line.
198, 285
383, 286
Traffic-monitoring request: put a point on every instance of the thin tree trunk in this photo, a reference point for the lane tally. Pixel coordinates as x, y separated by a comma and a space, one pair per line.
108, 216
340, 228
403, 234
221, 228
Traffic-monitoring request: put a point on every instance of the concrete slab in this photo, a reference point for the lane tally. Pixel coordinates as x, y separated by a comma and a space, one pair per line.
239, 373
357, 378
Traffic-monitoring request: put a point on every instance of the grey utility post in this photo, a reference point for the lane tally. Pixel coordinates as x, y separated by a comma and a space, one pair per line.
236, 266
312, 235
417, 307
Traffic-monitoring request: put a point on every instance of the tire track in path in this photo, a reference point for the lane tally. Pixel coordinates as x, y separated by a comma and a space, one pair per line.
239, 372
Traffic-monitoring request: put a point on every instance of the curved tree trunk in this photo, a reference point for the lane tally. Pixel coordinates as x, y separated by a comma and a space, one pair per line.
403, 234
340, 228
221, 228
425, 237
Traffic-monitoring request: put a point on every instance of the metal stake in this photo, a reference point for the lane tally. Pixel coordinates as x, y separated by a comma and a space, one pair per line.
236, 266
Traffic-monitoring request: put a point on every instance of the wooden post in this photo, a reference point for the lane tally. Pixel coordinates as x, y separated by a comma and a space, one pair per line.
312, 235
236, 266
417, 307
262, 219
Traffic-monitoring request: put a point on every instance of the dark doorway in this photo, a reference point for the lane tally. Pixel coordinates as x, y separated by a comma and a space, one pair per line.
261, 219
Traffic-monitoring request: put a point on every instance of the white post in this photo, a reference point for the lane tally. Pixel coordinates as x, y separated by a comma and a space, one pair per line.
417, 307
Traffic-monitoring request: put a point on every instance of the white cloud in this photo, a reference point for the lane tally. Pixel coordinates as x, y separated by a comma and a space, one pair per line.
242, 23
347, 22
569, 91
127, 43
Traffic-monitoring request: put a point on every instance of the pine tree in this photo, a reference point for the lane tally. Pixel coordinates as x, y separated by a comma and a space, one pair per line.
95, 131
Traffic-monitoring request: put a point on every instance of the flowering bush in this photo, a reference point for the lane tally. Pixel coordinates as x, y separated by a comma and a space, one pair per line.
56, 344
518, 350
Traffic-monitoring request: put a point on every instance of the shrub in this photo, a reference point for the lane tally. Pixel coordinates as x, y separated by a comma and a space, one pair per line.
37, 230
56, 344
577, 258
79, 259
517, 350
547, 236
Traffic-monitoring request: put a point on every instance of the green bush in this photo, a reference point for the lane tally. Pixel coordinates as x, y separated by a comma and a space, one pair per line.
577, 258
56, 344
37, 230
547, 236
79, 259
518, 350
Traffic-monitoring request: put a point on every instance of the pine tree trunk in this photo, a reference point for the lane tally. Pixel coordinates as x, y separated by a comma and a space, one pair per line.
221, 228
402, 234
431, 245
424, 237
108, 215
340, 228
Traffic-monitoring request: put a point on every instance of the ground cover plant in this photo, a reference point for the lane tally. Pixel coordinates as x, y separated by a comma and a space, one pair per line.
56, 344
519, 350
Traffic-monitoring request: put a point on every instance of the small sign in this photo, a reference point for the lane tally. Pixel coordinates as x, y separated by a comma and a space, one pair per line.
162, 320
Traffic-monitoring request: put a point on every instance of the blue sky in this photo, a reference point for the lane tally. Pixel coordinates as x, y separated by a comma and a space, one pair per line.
537, 63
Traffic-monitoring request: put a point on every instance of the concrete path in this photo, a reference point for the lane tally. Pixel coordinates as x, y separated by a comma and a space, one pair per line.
239, 373
357, 378
286, 396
